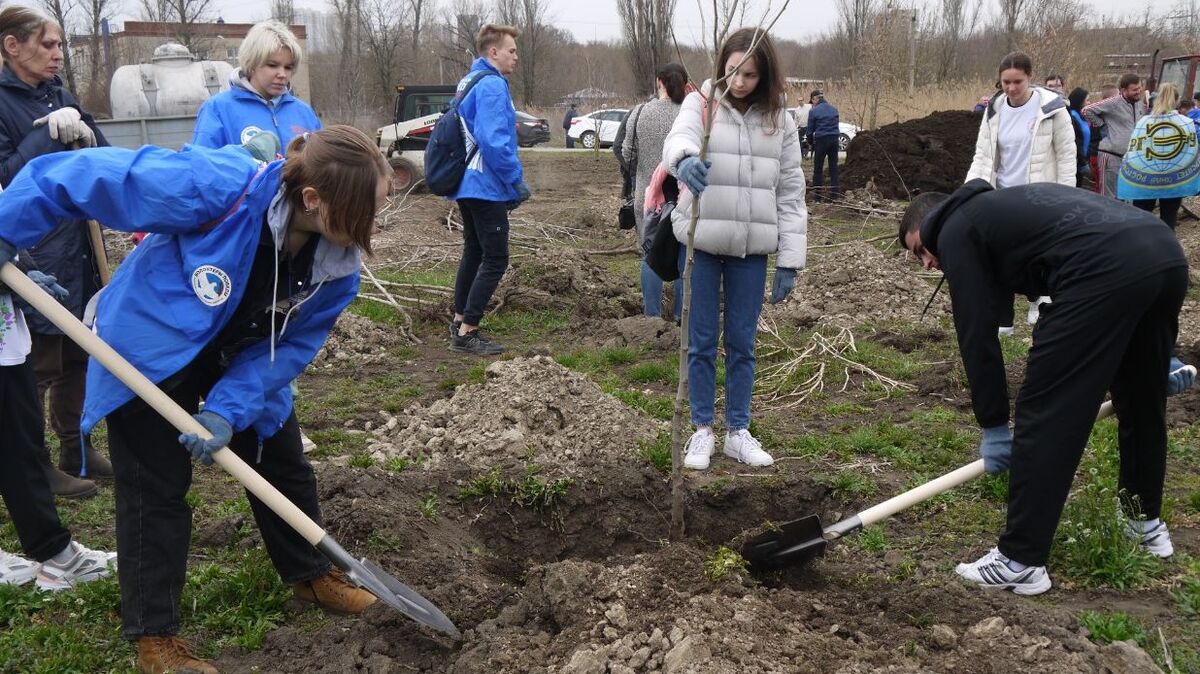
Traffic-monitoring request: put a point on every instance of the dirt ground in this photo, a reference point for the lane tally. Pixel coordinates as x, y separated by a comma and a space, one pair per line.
930, 154
528, 517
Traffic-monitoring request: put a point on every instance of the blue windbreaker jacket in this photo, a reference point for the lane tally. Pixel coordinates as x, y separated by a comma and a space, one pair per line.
234, 116
823, 120
491, 119
176, 291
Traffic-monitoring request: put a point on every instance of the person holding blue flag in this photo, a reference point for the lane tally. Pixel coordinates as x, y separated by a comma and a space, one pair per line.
1162, 165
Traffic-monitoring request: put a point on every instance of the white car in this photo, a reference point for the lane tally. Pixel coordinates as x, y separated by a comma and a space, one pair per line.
846, 131
600, 125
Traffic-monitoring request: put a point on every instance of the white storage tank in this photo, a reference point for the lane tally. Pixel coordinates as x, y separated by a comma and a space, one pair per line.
172, 84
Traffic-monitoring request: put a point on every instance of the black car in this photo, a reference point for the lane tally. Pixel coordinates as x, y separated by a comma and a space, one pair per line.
531, 130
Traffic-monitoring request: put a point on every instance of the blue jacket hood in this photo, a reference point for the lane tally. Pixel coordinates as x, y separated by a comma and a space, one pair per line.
234, 116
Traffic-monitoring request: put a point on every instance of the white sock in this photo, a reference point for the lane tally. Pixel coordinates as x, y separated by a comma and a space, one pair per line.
64, 555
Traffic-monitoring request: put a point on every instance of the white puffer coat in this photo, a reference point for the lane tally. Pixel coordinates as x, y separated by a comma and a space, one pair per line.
754, 202
1052, 158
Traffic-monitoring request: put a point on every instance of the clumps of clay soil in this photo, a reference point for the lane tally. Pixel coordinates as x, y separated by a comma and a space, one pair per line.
567, 279
527, 410
931, 154
357, 339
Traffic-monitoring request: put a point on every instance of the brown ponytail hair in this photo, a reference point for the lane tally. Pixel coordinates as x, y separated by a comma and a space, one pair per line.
344, 167
22, 23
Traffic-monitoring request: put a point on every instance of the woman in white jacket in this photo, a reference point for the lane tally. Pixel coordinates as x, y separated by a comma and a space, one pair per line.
1025, 137
753, 205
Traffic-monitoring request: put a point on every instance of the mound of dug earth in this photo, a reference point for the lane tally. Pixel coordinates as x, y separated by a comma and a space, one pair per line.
526, 410
357, 339
568, 279
931, 154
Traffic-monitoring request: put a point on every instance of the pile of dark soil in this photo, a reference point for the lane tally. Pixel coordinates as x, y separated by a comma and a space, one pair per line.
931, 154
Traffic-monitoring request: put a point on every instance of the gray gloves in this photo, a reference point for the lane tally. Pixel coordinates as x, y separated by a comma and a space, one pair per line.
996, 448
264, 146
67, 127
49, 284
202, 450
1179, 377
781, 287
693, 173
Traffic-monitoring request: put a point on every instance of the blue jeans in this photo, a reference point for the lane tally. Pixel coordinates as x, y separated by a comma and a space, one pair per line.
743, 280
652, 290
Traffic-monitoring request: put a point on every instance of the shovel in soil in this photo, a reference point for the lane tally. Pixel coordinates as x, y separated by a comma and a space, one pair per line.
800, 541
362, 572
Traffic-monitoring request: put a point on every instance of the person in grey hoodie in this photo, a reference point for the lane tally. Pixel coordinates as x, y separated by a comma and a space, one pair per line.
1117, 117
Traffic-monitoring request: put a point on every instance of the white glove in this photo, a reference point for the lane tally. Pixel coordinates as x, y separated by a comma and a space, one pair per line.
67, 127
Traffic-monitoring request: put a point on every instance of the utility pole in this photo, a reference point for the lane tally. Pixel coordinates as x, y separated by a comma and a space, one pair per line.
912, 50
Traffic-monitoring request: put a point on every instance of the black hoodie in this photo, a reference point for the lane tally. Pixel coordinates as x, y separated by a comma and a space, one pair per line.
1038, 239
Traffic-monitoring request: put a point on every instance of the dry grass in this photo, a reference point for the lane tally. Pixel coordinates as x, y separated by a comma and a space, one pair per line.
898, 104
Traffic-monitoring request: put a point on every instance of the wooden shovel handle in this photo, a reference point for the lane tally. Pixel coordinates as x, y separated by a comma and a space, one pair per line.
101, 255
938, 485
147, 391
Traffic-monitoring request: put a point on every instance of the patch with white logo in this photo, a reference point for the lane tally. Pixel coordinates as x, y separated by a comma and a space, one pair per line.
250, 132
211, 285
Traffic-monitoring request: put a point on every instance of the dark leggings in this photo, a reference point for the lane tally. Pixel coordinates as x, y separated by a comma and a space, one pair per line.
1168, 209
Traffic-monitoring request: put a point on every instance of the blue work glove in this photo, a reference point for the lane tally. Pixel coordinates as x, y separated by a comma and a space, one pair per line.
523, 195
263, 146
49, 284
202, 450
694, 173
996, 448
785, 280
1179, 377
7, 252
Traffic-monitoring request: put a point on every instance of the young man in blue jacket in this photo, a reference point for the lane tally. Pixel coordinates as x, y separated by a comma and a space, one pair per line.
823, 136
492, 186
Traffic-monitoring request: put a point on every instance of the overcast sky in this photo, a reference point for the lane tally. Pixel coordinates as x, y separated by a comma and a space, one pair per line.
598, 19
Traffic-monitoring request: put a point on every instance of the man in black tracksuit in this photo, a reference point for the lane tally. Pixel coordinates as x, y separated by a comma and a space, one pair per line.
1118, 277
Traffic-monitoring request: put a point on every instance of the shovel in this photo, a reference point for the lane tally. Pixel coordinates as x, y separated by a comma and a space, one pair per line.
362, 572
799, 541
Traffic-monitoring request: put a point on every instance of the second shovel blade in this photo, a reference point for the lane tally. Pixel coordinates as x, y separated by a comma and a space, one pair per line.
792, 543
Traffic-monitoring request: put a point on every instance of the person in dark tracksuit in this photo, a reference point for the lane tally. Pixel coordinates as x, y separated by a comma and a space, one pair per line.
823, 136
1118, 277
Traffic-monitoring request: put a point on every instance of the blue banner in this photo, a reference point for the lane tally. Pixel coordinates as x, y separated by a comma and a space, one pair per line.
1163, 160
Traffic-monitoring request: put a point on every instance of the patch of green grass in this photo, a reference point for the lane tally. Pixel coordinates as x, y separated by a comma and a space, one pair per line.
888, 361
235, 602
845, 409
396, 465
619, 355
381, 541
537, 322
653, 371
1187, 597
1106, 628
337, 442
530, 490
442, 275
377, 311
1193, 501
76, 631
489, 484
428, 506
657, 452
477, 373
657, 406
872, 539
1014, 348
723, 563
239, 505
361, 460
849, 483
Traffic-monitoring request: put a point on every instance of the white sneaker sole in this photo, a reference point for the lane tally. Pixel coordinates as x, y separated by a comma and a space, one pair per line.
18, 580
698, 463
756, 464
1023, 589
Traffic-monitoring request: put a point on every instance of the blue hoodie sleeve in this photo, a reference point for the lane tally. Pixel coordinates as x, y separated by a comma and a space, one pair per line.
495, 129
210, 130
252, 382
145, 190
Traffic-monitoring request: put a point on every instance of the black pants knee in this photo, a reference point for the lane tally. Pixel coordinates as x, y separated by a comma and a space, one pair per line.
23, 484
484, 256
825, 147
1168, 209
152, 474
1118, 341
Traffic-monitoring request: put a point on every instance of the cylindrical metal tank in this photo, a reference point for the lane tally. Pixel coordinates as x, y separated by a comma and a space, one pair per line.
172, 84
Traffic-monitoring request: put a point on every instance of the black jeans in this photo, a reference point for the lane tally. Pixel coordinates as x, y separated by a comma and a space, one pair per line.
23, 484
152, 474
825, 147
1119, 341
1168, 209
484, 257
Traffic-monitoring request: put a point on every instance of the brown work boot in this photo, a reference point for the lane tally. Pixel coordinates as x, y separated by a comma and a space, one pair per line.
170, 655
62, 484
97, 465
335, 593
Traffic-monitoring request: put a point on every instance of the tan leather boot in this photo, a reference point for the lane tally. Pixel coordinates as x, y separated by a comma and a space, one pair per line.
170, 655
335, 593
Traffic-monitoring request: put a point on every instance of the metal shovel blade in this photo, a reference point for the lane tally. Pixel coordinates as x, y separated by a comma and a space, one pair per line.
795, 542
389, 590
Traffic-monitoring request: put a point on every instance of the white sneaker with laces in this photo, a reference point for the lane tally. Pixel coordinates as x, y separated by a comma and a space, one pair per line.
83, 566
699, 449
742, 446
306, 443
1035, 309
16, 570
991, 572
1005, 331
1156, 539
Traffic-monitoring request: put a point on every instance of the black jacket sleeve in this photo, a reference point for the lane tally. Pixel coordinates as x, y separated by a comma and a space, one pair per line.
16, 154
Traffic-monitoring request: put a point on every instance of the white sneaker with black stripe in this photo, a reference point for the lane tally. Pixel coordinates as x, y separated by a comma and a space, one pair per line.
83, 566
16, 570
992, 572
1154, 539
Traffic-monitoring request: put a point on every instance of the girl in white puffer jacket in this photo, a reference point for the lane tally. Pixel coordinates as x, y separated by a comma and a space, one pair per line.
752, 206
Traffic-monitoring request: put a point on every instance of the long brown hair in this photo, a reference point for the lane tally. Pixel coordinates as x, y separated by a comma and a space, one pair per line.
344, 167
769, 92
22, 23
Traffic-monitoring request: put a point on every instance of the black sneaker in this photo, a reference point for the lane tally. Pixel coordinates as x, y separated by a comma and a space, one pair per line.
475, 343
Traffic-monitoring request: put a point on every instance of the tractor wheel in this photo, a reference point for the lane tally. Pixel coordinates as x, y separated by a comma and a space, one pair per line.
404, 174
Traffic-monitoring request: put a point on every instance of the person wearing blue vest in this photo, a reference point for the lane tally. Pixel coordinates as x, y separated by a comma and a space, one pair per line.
493, 185
260, 96
247, 269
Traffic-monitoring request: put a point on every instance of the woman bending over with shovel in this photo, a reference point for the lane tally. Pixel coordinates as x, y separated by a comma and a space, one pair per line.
251, 265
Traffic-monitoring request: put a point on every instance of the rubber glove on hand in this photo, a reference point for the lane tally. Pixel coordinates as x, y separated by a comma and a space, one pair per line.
523, 195
67, 127
202, 450
996, 449
694, 173
263, 146
8, 252
785, 280
1179, 377
49, 284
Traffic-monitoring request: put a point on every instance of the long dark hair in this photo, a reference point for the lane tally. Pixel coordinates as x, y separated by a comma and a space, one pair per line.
769, 92
674, 78
1077, 98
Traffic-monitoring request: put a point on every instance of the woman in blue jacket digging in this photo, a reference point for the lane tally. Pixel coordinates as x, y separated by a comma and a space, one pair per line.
249, 266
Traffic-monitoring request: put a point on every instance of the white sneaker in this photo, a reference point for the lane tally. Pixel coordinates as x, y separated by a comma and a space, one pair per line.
699, 449
742, 446
1005, 331
85, 565
16, 570
1156, 540
1035, 309
306, 443
991, 572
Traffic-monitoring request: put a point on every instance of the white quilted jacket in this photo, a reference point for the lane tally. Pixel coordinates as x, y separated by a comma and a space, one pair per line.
1052, 159
754, 202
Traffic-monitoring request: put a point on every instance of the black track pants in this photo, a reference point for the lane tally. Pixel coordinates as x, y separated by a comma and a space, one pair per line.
1119, 342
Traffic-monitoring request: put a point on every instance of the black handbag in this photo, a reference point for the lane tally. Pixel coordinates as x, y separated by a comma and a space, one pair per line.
663, 254
626, 219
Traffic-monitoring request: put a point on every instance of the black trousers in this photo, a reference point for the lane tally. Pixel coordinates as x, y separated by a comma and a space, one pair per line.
1168, 209
484, 256
23, 484
152, 475
825, 147
1083, 347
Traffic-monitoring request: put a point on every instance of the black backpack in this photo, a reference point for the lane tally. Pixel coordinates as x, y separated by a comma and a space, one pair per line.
446, 156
